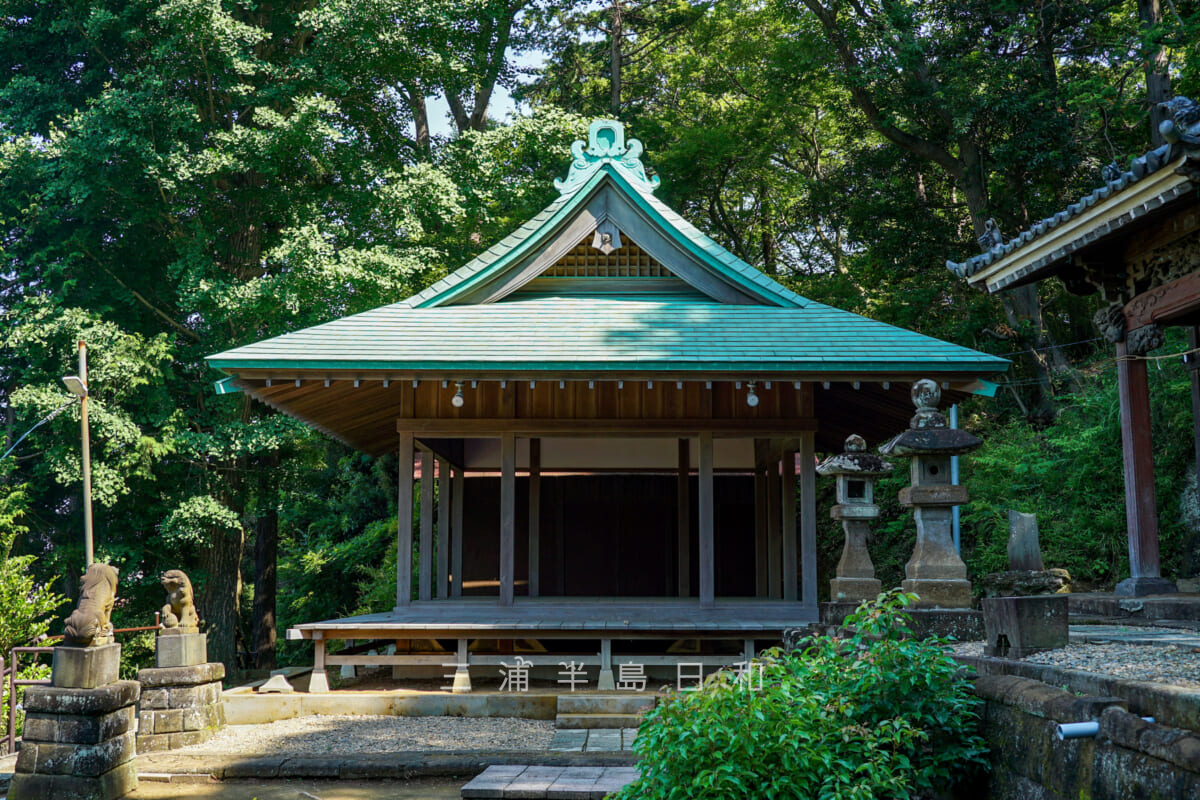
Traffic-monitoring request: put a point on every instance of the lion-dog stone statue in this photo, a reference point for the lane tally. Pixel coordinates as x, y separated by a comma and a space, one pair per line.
179, 614
89, 624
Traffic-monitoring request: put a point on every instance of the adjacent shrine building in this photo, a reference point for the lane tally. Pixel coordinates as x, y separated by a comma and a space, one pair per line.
621, 419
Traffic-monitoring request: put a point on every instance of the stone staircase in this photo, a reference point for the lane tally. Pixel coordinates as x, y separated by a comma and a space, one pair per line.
593, 711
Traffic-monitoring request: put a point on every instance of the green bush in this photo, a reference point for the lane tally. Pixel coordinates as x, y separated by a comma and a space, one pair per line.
871, 716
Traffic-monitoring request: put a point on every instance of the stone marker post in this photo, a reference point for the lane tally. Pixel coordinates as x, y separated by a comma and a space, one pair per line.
79, 731
855, 470
935, 572
181, 700
1024, 549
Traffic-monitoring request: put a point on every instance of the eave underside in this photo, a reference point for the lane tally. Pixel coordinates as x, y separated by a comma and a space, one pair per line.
367, 410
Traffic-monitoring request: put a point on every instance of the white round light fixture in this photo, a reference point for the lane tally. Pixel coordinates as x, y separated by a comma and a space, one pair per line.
751, 398
457, 401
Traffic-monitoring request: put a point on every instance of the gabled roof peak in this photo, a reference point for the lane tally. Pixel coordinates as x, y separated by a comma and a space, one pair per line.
606, 145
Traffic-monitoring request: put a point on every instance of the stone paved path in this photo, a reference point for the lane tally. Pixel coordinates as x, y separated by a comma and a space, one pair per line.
552, 783
596, 740
1132, 634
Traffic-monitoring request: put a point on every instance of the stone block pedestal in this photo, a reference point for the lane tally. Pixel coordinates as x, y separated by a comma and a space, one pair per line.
1019, 626
180, 650
78, 743
86, 667
180, 706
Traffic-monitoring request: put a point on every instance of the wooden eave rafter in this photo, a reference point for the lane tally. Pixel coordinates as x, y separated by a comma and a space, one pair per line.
1051, 252
365, 416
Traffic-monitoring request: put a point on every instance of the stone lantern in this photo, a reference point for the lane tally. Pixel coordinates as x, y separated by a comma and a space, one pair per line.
935, 572
856, 471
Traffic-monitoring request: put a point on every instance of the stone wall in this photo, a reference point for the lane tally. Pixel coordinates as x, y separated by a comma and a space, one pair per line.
180, 706
1130, 758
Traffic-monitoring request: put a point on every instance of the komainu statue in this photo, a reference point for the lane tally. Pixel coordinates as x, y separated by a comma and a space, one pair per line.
89, 624
179, 614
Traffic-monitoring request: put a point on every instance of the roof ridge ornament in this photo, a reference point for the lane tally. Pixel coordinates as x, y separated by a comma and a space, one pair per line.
606, 145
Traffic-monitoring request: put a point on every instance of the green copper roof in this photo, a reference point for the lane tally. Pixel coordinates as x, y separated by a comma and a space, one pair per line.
568, 334
757, 325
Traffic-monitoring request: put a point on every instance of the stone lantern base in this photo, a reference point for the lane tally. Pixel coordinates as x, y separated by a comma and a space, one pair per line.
854, 590
939, 592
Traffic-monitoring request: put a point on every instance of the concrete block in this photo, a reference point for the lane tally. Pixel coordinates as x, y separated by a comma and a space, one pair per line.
155, 699
70, 729
251, 709
82, 702
1019, 626
153, 743
116, 783
181, 650
626, 703
168, 721
522, 704
350, 704
87, 761
182, 676
188, 738
186, 696
194, 718
86, 667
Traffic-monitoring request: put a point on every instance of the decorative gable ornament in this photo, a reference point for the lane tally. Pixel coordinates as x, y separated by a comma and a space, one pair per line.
606, 145
607, 237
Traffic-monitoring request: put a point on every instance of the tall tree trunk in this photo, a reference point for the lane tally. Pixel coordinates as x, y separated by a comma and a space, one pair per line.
420, 112
218, 599
1158, 80
266, 546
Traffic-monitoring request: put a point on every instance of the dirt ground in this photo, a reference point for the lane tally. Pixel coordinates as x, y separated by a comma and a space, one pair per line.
422, 789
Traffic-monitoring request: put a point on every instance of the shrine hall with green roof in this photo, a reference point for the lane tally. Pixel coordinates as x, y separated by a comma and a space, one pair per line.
615, 423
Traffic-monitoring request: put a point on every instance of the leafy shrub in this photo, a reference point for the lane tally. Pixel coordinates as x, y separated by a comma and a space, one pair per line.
871, 716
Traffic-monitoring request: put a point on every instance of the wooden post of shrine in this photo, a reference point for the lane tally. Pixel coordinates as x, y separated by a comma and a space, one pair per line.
1137, 449
404, 503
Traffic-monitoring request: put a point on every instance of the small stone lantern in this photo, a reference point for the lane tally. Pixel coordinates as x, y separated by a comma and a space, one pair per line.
855, 470
935, 572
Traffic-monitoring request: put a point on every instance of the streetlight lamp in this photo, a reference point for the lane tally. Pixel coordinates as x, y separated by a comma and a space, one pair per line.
77, 385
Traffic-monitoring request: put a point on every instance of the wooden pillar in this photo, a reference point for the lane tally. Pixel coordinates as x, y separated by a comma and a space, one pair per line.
535, 514
684, 513
707, 536
808, 520
456, 533
774, 533
508, 516
1136, 447
404, 504
425, 563
760, 520
443, 529
788, 491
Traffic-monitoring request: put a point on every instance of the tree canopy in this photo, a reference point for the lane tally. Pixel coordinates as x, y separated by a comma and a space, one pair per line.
179, 177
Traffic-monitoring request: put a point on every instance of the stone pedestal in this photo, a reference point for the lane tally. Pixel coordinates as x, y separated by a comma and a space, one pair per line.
935, 573
960, 624
180, 649
86, 667
855, 579
180, 706
1019, 626
78, 743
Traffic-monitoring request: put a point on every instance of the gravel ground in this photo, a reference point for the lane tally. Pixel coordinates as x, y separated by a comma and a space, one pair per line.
375, 735
1178, 666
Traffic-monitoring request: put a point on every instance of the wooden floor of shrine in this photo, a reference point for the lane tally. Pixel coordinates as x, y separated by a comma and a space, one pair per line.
563, 617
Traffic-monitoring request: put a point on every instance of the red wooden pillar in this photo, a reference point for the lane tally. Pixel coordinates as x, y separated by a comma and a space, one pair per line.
1137, 449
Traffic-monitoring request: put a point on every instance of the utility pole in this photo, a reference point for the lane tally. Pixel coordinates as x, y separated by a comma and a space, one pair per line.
88, 550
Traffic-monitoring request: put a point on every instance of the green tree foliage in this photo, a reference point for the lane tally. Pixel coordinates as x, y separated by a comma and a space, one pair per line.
25, 603
872, 715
